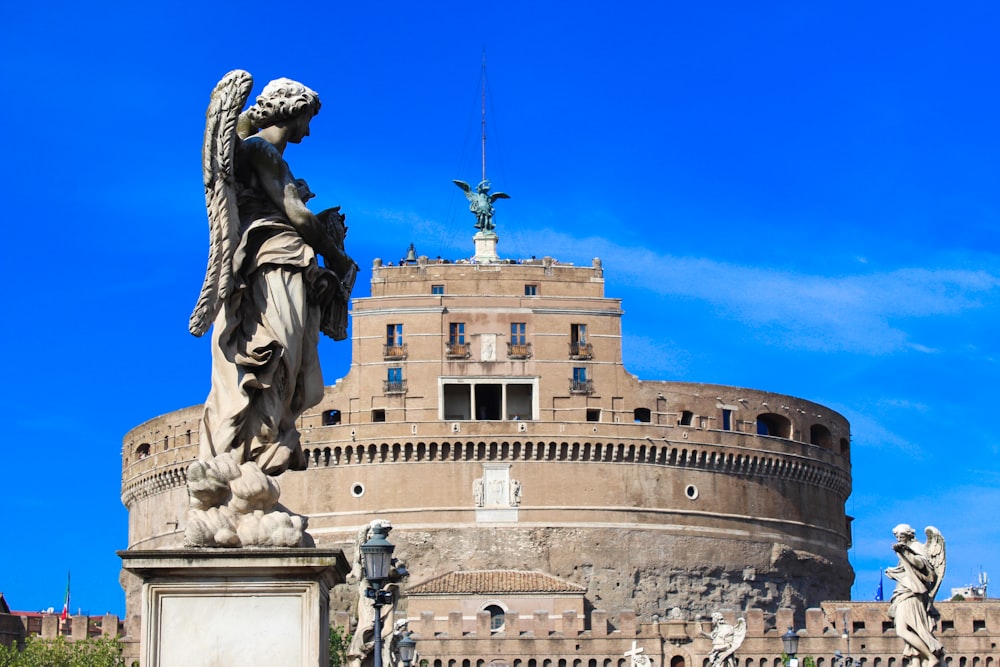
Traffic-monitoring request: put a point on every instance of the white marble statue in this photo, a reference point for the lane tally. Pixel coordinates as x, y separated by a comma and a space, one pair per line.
918, 577
268, 297
726, 639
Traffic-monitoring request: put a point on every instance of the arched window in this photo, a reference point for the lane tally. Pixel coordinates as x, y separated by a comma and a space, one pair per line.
496, 617
820, 435
142, 451
331, 417
771, 424
642, 415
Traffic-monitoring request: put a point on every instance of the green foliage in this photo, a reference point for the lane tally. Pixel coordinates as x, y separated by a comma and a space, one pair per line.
339, 641
808, 661
103, 652
958, 597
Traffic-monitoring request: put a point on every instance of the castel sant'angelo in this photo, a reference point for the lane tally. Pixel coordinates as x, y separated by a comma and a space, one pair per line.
488, 416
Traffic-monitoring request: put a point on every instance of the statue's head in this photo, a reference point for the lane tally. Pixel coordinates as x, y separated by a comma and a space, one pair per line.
904, 531
484, 186
717, 618
280, 101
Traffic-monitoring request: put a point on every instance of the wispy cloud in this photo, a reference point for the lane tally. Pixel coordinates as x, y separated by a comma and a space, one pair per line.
861, 312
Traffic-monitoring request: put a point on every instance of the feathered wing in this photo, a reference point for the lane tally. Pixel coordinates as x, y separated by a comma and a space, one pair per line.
217, 161
465, 188
739, 634
498, 195
934, 550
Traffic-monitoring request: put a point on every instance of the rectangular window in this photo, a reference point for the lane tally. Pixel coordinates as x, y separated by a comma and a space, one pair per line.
517, 333
378, 415
579, 348
593, 415
394, 335
531, 290
437, 289
727, 420
578, 333
395, 374
579, 375
456, 333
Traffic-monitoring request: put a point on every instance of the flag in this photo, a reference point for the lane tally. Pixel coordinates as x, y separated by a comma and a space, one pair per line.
878, 592
65, 611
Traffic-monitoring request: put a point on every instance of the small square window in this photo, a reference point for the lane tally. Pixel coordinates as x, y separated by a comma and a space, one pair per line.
593, 415
378, 415
437, 289
531, 290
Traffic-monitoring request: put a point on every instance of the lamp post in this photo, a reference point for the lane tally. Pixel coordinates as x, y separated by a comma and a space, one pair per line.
377, 555
407, 649
790, 642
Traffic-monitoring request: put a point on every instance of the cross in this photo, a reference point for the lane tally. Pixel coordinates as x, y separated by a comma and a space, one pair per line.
633, 653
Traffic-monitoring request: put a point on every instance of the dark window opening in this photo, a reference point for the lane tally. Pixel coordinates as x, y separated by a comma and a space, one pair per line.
457, 402
686, 418
727, 419
593, 415
331, 417
142, 451
488, 397
519, 403
772, 424
378, 415
820, 435
642, 415
531, 290
947, 625
496, 617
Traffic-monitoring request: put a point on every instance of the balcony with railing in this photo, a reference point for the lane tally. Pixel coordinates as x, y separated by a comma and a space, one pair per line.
518, 350
394, 387
581, 351
581, 386
390, 352
457, 351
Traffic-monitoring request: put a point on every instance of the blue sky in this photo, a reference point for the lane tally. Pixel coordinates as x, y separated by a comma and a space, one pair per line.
787, 196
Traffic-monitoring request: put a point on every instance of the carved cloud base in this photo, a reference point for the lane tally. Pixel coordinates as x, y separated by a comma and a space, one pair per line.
236, 505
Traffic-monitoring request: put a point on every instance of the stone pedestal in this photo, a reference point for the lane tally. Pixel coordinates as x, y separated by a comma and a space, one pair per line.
247, 607
486, 246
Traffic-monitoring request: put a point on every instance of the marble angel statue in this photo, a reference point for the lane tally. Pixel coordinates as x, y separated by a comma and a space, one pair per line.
726, 639
267, 295
918, 576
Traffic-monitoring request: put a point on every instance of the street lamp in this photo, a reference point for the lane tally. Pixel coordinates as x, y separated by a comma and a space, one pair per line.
377, 555
790, 641
407, 649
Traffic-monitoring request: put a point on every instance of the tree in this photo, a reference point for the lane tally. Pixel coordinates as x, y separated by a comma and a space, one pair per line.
58, 652
339, 641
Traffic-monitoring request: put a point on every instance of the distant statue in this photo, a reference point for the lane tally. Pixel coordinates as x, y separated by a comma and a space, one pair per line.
515, 493
477, 492
918, 577
359, 652
726, 639
268, 297
481, 203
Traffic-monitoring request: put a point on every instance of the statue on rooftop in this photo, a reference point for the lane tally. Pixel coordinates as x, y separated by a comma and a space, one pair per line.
726, 639
269, 297
918, 577
481, 203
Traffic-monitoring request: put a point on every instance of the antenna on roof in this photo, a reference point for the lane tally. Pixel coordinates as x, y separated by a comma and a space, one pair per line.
483, 98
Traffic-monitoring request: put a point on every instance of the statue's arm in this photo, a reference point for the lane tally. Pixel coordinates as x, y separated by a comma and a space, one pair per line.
279, 185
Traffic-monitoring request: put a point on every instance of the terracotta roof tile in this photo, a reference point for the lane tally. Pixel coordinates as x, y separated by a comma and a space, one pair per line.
495, 581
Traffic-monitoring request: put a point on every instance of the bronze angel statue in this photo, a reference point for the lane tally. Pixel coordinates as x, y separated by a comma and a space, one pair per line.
265, 289
918, 577
481, 203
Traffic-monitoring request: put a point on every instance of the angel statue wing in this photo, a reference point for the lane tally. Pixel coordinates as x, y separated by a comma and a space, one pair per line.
498, 195
217, 157
739, 634
465, 187
934, 550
